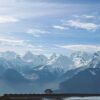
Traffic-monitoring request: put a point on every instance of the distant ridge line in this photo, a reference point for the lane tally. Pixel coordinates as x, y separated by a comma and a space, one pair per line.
52, 95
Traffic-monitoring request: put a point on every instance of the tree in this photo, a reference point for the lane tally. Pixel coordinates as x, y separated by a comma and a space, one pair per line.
48, 91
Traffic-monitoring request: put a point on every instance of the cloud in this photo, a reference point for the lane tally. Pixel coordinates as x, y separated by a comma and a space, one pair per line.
19, 46
36, 49
8, 19
60, 27
82, 25
87, 48
64, 1
89, 16
11, 42
17, 43
85, 16
79, 22
36, 32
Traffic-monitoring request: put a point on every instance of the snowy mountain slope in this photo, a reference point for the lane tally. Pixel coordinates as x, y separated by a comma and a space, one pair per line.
58, 63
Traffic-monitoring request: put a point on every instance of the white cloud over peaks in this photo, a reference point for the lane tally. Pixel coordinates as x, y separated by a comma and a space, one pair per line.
11, 42
81, 47
19, 46
8, 19
36, 32
82, 25
89, 16
85, 16
60, 27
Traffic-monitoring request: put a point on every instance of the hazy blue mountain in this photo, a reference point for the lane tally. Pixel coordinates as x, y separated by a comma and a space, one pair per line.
2, 69
12, 81
86, 81
13, 76
43, 75
67, 75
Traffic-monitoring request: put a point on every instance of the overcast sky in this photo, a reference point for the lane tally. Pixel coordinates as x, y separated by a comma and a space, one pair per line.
48, 26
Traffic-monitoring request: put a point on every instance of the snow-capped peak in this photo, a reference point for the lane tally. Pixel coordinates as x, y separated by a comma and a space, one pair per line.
60, 62
52, 59
80, 58
53, 56
28, 56
95, 61
36, 60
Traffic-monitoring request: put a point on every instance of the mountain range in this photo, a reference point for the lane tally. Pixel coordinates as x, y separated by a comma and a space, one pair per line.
77, 73
84, 79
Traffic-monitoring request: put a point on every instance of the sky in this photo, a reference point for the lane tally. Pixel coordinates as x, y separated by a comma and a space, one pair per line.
50, 26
